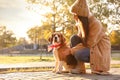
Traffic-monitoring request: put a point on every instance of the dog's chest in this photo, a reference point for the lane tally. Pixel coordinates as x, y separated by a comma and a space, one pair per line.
55, 53
61, 53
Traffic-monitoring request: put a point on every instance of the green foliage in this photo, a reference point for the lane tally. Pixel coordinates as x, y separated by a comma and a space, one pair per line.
58, 15
21, 40
57, 19
70, 2
7, 38
40, 34
115, 38
107, 11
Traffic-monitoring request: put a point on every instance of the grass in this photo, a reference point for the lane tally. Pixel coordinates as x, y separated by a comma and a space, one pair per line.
112, 66
11, 70
116, 58
23, 59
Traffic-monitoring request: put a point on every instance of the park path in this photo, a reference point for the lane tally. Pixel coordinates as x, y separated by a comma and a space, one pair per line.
48, 75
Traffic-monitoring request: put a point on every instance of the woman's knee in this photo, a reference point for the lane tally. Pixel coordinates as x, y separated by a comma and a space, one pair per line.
83, 55
75, 40
75, 37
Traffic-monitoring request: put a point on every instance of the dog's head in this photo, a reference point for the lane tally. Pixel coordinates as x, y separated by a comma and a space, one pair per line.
57, 38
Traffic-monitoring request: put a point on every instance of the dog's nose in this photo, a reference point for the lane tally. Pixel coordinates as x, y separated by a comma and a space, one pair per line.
55, 39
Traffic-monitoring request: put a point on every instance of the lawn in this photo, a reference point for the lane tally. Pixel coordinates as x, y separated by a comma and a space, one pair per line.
23, 59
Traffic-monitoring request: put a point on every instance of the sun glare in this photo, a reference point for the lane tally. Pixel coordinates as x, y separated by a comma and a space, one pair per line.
20, 22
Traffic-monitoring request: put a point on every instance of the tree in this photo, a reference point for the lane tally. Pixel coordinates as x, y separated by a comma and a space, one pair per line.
58, 12
22, 41
115, 37
7, 38
57, 18
39, 34
107, 11
33, 33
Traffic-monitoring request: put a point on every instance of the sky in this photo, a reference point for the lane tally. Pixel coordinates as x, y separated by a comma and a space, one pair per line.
16, 17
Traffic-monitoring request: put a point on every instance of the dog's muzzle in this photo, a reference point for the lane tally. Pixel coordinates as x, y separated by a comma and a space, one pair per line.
56, 39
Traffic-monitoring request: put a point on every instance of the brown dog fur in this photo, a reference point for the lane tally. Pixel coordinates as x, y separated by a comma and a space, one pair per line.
62, 54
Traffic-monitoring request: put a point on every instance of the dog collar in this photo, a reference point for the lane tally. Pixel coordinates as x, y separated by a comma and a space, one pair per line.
54, 46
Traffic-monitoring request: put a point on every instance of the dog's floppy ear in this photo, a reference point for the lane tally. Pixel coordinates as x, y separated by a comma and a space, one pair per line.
62, 38
50, 39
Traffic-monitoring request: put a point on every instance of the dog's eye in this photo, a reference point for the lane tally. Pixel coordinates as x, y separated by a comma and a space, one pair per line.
58, 35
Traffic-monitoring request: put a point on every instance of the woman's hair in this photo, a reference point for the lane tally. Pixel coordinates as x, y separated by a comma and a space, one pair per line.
85, 24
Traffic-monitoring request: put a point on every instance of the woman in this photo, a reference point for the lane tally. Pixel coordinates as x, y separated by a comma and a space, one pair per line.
90, 44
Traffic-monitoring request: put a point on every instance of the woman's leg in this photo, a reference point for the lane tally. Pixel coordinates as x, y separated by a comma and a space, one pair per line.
79, 55
82, 54
75, 40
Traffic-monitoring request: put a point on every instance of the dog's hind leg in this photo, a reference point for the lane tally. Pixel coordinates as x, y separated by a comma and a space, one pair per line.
80, 68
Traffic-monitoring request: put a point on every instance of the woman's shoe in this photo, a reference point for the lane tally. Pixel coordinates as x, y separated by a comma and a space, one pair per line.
77, 71
100, 73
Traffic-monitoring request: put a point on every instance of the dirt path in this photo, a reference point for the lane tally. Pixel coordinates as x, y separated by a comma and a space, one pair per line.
115, 75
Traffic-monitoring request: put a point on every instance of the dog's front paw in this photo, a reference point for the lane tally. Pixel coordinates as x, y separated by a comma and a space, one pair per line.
58, 72
77, 71
65, 71
54, 70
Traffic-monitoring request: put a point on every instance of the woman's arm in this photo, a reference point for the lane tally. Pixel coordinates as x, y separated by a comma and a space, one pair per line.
95, 32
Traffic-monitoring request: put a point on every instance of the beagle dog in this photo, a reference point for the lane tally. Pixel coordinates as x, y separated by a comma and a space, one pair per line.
64, 60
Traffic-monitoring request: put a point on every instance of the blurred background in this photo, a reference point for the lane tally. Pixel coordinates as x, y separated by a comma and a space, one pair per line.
25, 26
